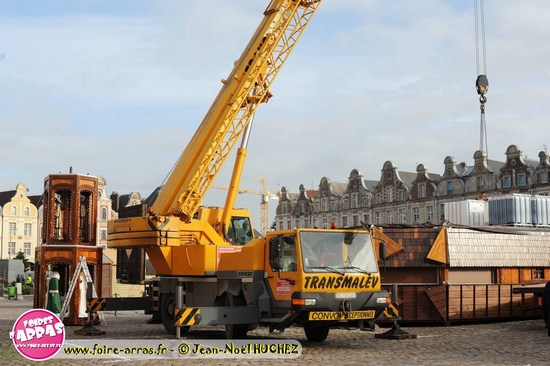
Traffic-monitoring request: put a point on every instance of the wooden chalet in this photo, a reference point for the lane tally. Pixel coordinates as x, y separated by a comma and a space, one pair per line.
461, 274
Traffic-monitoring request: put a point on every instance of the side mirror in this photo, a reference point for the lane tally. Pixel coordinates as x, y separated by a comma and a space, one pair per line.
382, 251
275, 257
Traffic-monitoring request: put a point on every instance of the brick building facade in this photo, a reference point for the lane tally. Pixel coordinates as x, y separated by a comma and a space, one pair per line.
414, 198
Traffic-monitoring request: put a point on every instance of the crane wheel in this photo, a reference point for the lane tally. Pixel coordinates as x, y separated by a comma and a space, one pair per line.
167, 310
235, 331
316, 333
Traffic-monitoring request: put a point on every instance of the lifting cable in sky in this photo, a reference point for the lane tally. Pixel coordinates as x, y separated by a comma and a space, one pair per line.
482, 83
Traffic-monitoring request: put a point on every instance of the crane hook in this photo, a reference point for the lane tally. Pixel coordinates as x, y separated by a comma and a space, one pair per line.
482, 84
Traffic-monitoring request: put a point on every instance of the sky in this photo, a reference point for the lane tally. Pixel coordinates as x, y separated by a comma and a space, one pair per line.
117, 88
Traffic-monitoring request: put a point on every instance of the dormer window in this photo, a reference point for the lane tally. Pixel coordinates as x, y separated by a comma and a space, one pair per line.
480, 184
421, 190
354, 200
389, 194
401, 195
450, 187
506, 181
522, 180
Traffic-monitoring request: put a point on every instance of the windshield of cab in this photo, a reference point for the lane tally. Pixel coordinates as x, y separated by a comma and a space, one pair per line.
337, 252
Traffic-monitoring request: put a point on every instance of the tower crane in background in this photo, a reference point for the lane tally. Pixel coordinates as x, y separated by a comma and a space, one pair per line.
264, 203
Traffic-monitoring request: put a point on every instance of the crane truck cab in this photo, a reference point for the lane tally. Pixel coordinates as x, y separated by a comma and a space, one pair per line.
315, 278
308, 277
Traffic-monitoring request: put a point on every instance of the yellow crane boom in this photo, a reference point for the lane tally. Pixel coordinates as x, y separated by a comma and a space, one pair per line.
247, 86
178, 234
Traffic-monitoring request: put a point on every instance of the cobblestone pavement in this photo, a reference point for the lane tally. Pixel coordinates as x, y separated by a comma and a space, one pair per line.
510, 343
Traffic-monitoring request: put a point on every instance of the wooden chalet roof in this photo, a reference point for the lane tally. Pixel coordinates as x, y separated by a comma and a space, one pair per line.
416, 242
479, 247
476, 248
392, 247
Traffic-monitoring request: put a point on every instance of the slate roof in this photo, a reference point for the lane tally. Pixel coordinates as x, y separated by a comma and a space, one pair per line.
338, 188
6, 197
407, 177
124, 199
474, 248
434, 177
371, 184
495, 165
153, 197
292, 196
36, 200
311, 193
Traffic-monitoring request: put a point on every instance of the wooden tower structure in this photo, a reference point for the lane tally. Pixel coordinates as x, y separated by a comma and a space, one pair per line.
68, 232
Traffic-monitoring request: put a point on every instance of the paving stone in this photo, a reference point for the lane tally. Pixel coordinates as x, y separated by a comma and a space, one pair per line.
509, 343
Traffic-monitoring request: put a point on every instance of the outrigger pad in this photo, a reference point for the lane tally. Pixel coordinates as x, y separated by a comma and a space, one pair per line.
395, 333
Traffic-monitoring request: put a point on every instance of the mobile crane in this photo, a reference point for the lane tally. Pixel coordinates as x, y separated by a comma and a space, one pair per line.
210, 267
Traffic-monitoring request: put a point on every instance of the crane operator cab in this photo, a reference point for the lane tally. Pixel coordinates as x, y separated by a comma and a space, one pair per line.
240, 230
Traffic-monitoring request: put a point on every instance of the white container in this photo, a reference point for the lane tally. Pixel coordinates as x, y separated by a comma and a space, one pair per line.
468, 212
540, 210
512, 209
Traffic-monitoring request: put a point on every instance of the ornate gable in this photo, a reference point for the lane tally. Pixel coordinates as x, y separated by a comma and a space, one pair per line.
423, 186
516, 174
451, 171
542, 172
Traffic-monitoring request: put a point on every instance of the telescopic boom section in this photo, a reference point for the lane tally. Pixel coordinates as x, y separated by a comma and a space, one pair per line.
246, 87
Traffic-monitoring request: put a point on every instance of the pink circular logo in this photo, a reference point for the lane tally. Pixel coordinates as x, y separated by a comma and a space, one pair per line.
38, 334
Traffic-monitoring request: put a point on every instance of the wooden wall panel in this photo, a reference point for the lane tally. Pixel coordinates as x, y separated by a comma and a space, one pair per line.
458, 303
106, 280
438, 297
509, 276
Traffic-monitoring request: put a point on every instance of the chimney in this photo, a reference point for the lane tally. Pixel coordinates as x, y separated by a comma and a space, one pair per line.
115, 201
